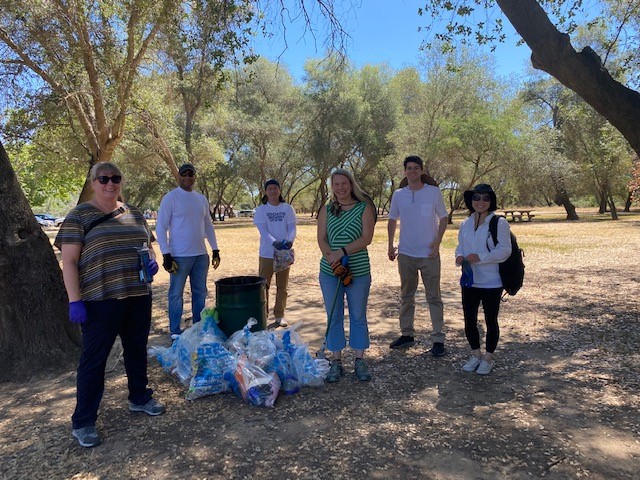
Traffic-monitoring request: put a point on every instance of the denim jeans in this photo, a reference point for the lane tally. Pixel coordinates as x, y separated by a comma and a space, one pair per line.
357, 294
106, 319
196, 268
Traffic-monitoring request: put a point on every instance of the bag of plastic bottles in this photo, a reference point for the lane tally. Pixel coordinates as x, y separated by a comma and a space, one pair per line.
309, 371
262, 348
284, 368
256, 386
238, 341
211, 363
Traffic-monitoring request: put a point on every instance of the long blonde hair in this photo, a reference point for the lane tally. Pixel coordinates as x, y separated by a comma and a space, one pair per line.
357, 193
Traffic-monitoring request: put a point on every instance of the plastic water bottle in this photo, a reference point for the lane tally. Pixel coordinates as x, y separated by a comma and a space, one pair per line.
143, 264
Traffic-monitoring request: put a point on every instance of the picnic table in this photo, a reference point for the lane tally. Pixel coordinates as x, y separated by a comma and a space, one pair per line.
519, 215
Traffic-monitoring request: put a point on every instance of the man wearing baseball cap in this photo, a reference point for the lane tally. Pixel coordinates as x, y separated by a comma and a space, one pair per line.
183, 223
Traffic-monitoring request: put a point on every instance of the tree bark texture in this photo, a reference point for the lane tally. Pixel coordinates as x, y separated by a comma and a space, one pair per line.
582, 72
35, 333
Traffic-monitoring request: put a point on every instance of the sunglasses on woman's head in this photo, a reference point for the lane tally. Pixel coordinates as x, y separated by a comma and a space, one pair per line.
104, 179
484, 198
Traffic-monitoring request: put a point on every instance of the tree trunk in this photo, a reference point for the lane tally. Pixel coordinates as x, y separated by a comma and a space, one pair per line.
581, 72
602, 204
563, 199
612, 206
35, 333
627, 203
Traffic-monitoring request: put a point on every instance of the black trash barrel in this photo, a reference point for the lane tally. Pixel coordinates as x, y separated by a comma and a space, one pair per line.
238, 299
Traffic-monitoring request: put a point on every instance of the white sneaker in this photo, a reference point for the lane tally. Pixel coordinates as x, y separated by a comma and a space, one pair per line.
485, 367
281, 322
472, 364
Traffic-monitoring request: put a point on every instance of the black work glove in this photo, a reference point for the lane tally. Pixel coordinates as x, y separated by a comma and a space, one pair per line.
215, 259
169, 264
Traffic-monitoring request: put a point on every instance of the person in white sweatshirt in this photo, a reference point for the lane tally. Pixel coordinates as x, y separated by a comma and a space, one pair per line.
480, 257
276, 222
183, 223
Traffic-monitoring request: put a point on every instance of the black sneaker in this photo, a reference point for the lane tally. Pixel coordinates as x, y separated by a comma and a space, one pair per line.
403, 342
438, 349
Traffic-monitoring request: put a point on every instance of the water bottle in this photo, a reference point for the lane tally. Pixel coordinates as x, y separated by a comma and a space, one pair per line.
143, 264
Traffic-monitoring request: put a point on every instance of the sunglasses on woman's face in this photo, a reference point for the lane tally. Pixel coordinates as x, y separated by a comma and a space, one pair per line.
188, 173
484, 198
104, 179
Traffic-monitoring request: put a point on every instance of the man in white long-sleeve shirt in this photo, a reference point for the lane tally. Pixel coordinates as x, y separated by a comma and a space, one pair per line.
184, 221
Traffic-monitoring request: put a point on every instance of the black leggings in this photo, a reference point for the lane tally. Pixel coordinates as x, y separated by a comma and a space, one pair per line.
490, 298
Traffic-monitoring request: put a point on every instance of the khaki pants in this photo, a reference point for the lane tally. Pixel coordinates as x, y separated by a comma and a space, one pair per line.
265, 270
429, 269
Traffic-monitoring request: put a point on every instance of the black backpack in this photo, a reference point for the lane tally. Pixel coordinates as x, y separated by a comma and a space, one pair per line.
512, 269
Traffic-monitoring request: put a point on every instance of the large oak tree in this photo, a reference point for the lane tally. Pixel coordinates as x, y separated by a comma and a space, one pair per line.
552, 51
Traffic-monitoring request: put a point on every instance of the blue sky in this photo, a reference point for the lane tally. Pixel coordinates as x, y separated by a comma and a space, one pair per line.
382, 31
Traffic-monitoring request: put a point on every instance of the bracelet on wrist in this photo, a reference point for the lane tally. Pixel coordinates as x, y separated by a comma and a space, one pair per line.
344, 250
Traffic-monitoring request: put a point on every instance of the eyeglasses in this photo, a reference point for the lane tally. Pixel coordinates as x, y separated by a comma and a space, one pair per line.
104, 179
188, 173
477, 198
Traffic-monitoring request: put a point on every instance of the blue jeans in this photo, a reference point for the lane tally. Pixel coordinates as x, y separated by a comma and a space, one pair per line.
357, 296
196, 268
106, 319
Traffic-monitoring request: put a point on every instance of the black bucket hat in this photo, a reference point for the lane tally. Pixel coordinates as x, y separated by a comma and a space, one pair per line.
481, 188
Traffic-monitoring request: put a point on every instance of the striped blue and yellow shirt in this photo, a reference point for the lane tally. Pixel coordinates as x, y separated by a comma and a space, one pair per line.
108, 264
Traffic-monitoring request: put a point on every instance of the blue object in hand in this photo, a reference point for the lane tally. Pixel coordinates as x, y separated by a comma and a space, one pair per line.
77, 312
153, 267
466, 279
278, 245
287, 244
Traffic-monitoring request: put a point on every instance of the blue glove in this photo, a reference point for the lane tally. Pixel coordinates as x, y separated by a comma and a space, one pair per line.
153, 267
466, 279
77, 312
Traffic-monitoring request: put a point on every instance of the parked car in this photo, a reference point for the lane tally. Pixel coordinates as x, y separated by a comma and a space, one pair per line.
45, 220
58, 221
245, 213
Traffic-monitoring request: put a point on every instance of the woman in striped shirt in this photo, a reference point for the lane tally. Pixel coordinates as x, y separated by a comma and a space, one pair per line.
103, 243
345, 228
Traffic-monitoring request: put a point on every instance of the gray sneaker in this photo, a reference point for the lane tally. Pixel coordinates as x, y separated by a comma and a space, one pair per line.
361, 370
335, 372
87, 436
152, 407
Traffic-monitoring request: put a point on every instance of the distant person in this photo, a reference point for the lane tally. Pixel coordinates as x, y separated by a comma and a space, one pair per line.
345, 228
477, 250
276, 222
102, 241
423, 220
182, 225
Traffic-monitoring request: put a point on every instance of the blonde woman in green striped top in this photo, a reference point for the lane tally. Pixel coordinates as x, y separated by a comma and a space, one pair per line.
345, 228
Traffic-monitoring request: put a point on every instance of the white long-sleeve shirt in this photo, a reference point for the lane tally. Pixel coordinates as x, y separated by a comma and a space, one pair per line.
486, 273
275, 223
183, 223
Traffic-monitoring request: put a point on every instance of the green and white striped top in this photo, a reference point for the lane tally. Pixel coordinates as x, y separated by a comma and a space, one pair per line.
341, 231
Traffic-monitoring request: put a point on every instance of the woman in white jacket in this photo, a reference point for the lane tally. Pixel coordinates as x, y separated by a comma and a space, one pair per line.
480, 256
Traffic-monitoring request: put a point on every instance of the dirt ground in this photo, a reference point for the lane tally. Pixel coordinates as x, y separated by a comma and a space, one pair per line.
562, 403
